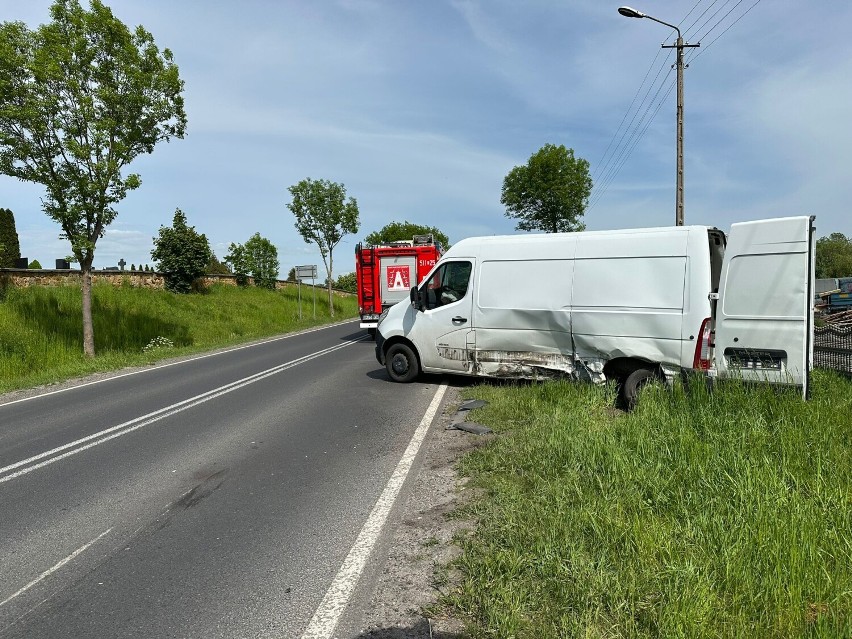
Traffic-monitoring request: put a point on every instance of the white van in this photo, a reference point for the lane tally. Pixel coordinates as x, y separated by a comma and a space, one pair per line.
630, 305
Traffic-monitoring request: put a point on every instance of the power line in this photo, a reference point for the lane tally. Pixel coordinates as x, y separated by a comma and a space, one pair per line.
743, 15
626, 113
689, 13
715, 13
686, 31
631, 144
622, 150
610, 173
605, 165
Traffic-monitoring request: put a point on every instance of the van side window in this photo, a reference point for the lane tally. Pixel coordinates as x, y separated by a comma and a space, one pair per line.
447, 285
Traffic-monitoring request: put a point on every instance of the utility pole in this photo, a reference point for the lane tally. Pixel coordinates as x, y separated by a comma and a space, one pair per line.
680, 46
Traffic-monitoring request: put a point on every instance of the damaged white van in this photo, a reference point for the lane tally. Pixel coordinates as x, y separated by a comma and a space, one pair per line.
630, 305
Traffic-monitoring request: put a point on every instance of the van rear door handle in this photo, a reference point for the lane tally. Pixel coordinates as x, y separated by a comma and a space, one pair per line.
459, 320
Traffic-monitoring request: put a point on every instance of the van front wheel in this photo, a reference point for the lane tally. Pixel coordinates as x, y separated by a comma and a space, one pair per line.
402, 364
633, 385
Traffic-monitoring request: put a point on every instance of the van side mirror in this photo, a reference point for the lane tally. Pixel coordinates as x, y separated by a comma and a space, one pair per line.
415, 298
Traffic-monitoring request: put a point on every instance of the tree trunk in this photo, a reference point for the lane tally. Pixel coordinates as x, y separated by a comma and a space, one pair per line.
330, 275
88, 331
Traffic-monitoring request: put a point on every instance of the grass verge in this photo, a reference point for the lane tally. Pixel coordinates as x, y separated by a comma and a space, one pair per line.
723, 514
41, 327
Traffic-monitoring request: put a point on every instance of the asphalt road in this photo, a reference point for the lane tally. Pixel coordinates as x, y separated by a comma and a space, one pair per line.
214, 497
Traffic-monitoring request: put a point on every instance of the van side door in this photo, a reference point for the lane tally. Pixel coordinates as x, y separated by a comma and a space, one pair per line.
764, 317
444, 330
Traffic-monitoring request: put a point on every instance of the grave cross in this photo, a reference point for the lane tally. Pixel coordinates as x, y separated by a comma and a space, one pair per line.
122, 263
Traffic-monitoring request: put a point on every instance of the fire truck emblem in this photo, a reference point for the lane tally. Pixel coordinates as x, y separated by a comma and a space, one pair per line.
399, 278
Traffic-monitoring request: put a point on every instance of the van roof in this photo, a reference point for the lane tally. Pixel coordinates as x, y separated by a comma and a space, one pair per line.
475, 243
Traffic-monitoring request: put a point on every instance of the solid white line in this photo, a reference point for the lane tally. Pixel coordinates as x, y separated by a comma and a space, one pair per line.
327, 615
52, 570
108, 434
183, 361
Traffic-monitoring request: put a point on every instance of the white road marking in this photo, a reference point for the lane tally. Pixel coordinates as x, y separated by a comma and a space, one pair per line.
183, 361
72, 448
327, 615
52, 570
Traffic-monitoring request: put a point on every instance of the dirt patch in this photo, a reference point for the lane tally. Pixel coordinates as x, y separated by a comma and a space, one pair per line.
414, 576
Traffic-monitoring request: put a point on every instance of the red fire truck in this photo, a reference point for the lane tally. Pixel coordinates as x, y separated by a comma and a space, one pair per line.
385, 274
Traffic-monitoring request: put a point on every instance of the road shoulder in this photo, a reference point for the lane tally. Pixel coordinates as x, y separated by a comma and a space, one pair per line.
414, 574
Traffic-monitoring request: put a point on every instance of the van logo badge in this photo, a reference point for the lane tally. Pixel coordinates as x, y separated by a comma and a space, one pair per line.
399, 278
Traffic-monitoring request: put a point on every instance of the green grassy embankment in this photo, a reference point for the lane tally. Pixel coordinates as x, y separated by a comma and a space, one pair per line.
41, 335
723, 514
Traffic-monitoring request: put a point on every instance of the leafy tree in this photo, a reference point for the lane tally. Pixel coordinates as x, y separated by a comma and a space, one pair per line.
324, 217
237, 257
216, 267
80, 98
258, 257
181, 254
397, 231
834, 256
35, 264
347, 282
550, 192
291, 275
264, 261
132, 267
10, 248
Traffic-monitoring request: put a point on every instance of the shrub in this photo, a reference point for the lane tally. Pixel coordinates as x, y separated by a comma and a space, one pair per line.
181, 253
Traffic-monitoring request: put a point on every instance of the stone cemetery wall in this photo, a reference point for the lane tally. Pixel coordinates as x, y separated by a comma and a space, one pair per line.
143, 279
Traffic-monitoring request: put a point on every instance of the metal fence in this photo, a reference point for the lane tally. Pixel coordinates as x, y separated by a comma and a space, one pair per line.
833, 347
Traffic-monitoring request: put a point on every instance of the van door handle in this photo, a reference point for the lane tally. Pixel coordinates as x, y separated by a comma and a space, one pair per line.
459, 320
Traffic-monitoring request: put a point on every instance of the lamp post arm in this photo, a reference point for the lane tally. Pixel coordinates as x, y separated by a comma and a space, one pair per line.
665, 23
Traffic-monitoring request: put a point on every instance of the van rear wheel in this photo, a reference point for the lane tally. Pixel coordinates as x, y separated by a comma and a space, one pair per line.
402, 364
633, 385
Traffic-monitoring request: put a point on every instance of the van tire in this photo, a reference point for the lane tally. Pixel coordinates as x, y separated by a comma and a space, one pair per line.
633, 385
401, 363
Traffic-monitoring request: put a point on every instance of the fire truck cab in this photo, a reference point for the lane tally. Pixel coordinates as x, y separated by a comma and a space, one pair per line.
385, 274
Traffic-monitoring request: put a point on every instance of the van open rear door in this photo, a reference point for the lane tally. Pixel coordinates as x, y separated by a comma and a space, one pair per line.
764, 318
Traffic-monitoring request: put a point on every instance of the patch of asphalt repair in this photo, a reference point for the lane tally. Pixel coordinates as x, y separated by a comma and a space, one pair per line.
415, 572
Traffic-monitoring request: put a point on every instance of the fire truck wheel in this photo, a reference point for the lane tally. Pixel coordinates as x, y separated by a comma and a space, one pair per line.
402, 363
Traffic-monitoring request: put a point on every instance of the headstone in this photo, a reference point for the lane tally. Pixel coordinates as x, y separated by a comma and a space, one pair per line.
22, 262
62, 264
122, 264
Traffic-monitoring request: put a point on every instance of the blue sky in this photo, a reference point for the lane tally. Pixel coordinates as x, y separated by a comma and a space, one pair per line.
421, 108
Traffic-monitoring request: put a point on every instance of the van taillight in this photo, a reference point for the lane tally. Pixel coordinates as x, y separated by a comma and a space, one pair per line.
703, 359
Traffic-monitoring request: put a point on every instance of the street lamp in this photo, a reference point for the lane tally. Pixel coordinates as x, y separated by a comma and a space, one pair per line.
629, 12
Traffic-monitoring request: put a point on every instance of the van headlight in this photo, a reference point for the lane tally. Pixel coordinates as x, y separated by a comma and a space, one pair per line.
383, 316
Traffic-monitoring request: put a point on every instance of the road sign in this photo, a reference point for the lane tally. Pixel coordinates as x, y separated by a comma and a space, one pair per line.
308, 272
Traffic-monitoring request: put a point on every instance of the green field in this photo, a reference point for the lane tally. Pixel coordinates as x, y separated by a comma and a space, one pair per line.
701, 514
41, 335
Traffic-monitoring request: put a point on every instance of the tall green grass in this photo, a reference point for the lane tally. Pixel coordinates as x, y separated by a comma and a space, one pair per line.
41, 327
701, 514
